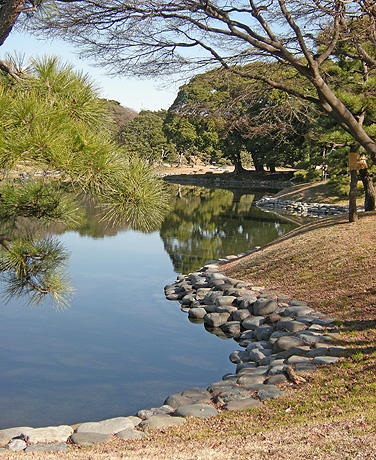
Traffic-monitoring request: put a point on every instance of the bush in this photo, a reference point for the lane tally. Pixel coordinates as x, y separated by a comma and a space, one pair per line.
309, 175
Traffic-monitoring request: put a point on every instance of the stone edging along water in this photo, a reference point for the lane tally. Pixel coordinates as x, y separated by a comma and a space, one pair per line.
281, 340
226, 180
302, 208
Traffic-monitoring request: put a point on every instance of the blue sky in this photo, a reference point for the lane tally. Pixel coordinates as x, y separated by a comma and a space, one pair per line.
136, 94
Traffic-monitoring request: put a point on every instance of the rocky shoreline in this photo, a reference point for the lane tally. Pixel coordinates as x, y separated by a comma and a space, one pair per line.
301, 208
282, 340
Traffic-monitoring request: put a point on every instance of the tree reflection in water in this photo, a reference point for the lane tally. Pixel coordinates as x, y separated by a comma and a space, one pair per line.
207, 224
33, 264
33, 269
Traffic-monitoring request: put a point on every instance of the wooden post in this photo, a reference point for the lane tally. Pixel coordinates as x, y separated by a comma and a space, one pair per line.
356, 163
353, 215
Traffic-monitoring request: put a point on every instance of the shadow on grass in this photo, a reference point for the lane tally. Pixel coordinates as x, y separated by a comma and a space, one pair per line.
341, 220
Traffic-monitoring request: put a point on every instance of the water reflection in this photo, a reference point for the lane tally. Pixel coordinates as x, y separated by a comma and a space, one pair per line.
32, 262
122, 346
206, 224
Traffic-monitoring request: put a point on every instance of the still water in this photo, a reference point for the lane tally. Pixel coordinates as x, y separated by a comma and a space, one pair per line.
121, 346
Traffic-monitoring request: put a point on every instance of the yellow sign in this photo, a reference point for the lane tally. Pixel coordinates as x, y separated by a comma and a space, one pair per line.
357, 162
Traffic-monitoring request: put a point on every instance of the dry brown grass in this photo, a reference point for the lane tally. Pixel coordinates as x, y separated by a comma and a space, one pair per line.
332, 265
317, 192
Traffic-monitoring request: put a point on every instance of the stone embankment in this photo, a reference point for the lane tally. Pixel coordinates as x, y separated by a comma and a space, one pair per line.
226, 180
281, 340
302, 208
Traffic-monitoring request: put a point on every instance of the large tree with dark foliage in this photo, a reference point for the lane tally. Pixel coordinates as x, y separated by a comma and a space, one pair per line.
156, 37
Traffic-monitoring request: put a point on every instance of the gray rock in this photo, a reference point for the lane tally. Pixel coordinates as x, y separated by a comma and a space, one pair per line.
210, 308
285, 343
304, 368
197, 313
253, 322
49, 434
268, 360
216, 319
247, 335
316, 328
264, 307
147, 413
276, 379
317, 352
297, 359
188, 299
137, 420
239, 356
161, 421
337, 351
269, 392
109, 426
309, 337
254, 387
247, 302
202, 293
258, 354
89, 438
247, 370
232, 328
250, 379
217, 276
325, 360
196, 410
240, 315
211, 296
234, 394
293, 326
187, 397
244, 366
326, 322
223, 385
231, 377
298, 351
297, 311
275, 370
243, 404
241, 294
172, 296
263, 332
8, 433
307, 319
16, 445
130, 434
226, 309
61, 447
225, 300
201, 284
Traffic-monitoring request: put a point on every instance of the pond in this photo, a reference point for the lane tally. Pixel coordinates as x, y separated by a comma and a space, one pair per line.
121, 346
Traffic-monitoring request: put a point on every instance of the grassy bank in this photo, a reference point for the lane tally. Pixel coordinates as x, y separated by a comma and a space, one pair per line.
332, 265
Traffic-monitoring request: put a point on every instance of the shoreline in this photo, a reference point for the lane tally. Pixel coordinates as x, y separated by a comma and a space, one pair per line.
256, 378
232, 258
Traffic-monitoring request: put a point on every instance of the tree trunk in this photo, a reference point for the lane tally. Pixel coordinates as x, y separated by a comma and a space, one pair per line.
9, 13
259, 167
369, 190
342, 115
237, 162
353, 216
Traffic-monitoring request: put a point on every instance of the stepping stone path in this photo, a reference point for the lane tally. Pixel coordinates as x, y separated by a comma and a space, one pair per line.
282, 339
